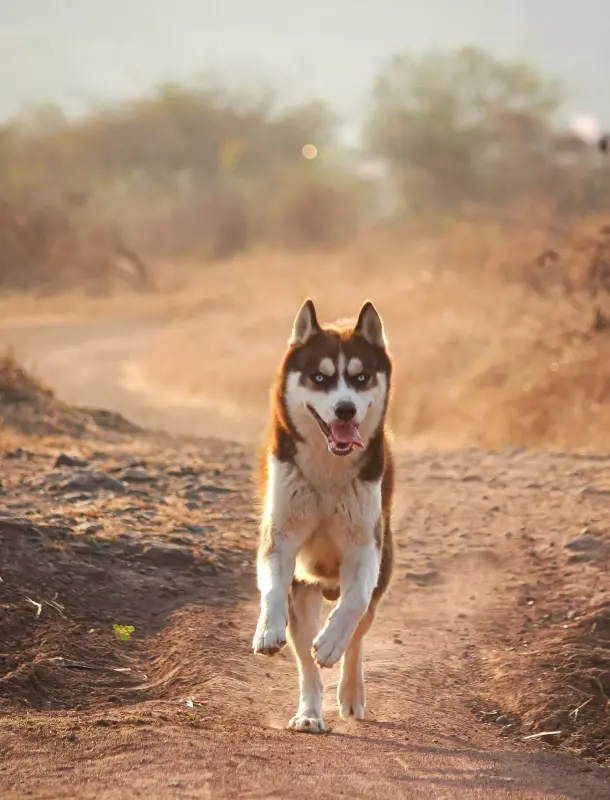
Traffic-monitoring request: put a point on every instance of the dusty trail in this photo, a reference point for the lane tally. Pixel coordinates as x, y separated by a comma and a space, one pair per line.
97, 364
461, 520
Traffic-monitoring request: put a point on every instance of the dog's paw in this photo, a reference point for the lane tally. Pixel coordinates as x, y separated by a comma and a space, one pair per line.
308, 724
327, 649
269, 641
351, 699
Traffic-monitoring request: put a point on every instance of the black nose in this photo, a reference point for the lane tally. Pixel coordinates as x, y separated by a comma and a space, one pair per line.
345, 411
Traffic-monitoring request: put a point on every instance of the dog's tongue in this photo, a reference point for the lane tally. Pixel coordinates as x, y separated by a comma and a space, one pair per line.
345, 433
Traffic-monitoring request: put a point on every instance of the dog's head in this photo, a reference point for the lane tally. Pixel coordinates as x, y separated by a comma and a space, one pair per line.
335, 380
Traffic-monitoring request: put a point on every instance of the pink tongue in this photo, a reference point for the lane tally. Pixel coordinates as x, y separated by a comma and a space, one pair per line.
345, 433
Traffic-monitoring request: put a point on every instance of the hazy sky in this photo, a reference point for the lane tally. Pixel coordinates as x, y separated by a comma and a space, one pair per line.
78, 52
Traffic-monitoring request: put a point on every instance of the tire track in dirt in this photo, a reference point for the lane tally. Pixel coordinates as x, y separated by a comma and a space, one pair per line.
461, 562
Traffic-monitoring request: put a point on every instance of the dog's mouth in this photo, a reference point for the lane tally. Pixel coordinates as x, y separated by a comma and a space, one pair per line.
341, 436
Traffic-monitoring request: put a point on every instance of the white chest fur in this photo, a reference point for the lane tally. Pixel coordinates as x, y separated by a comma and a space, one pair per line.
324, 504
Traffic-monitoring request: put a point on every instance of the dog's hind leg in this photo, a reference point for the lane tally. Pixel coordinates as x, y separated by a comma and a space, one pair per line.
351, 695
303, 624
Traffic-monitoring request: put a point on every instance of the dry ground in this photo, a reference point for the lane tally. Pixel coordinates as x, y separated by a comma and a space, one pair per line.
488, 350
159, 534
497, 624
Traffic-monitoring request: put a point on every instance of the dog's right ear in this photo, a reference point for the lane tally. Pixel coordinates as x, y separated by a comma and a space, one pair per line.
305, 324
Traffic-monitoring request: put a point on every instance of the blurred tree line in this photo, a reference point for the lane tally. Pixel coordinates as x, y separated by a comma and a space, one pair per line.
465, 127
194, 169
204, 171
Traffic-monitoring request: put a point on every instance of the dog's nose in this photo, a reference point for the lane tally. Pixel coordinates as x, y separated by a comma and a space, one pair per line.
345, 411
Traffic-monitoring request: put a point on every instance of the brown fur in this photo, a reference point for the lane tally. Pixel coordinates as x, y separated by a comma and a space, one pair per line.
330, 376
376, 461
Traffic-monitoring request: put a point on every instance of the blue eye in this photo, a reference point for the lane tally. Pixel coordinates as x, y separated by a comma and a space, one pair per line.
318, 377
361, 378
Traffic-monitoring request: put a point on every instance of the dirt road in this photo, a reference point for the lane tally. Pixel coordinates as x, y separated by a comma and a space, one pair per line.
479, 541
98, 364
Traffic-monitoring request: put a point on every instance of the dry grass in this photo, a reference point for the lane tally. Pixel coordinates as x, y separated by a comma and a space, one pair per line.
482, 356
50, 246
490, 348
30, 412
16, 384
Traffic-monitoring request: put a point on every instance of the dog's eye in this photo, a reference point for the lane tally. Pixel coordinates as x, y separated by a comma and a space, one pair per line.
362, 378
319, 377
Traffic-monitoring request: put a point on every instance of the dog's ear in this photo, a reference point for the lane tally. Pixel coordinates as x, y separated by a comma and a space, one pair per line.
305, 324
370, 326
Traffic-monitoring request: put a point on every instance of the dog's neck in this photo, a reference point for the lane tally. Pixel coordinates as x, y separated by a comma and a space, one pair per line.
323, 470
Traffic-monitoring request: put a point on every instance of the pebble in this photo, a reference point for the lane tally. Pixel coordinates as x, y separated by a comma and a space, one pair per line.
586, 544
15, 524
66, 460
168, 555
200, 528
91, 481
137, 476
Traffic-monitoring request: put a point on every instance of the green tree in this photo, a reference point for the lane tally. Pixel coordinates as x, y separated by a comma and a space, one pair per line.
459, 126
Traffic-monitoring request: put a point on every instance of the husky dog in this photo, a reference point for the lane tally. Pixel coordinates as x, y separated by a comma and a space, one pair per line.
327, 479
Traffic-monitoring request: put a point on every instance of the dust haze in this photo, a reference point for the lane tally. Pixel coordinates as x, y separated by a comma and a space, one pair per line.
176, 179
81, 54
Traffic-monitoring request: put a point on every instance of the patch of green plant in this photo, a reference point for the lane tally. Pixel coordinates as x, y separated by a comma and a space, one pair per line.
123, 632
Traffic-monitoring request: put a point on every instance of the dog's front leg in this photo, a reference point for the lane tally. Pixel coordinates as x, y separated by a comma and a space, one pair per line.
275, 571
358, 577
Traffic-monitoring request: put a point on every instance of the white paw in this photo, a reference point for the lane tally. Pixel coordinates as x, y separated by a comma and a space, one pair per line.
269, 640
306, 723
351, 698
327, 649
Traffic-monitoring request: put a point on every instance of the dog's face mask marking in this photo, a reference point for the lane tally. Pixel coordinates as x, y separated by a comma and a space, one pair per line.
337, 380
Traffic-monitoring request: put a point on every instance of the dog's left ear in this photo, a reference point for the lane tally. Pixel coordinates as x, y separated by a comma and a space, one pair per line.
305, 324
370, 326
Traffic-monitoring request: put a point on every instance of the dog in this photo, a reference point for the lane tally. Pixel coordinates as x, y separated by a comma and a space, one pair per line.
327, 479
